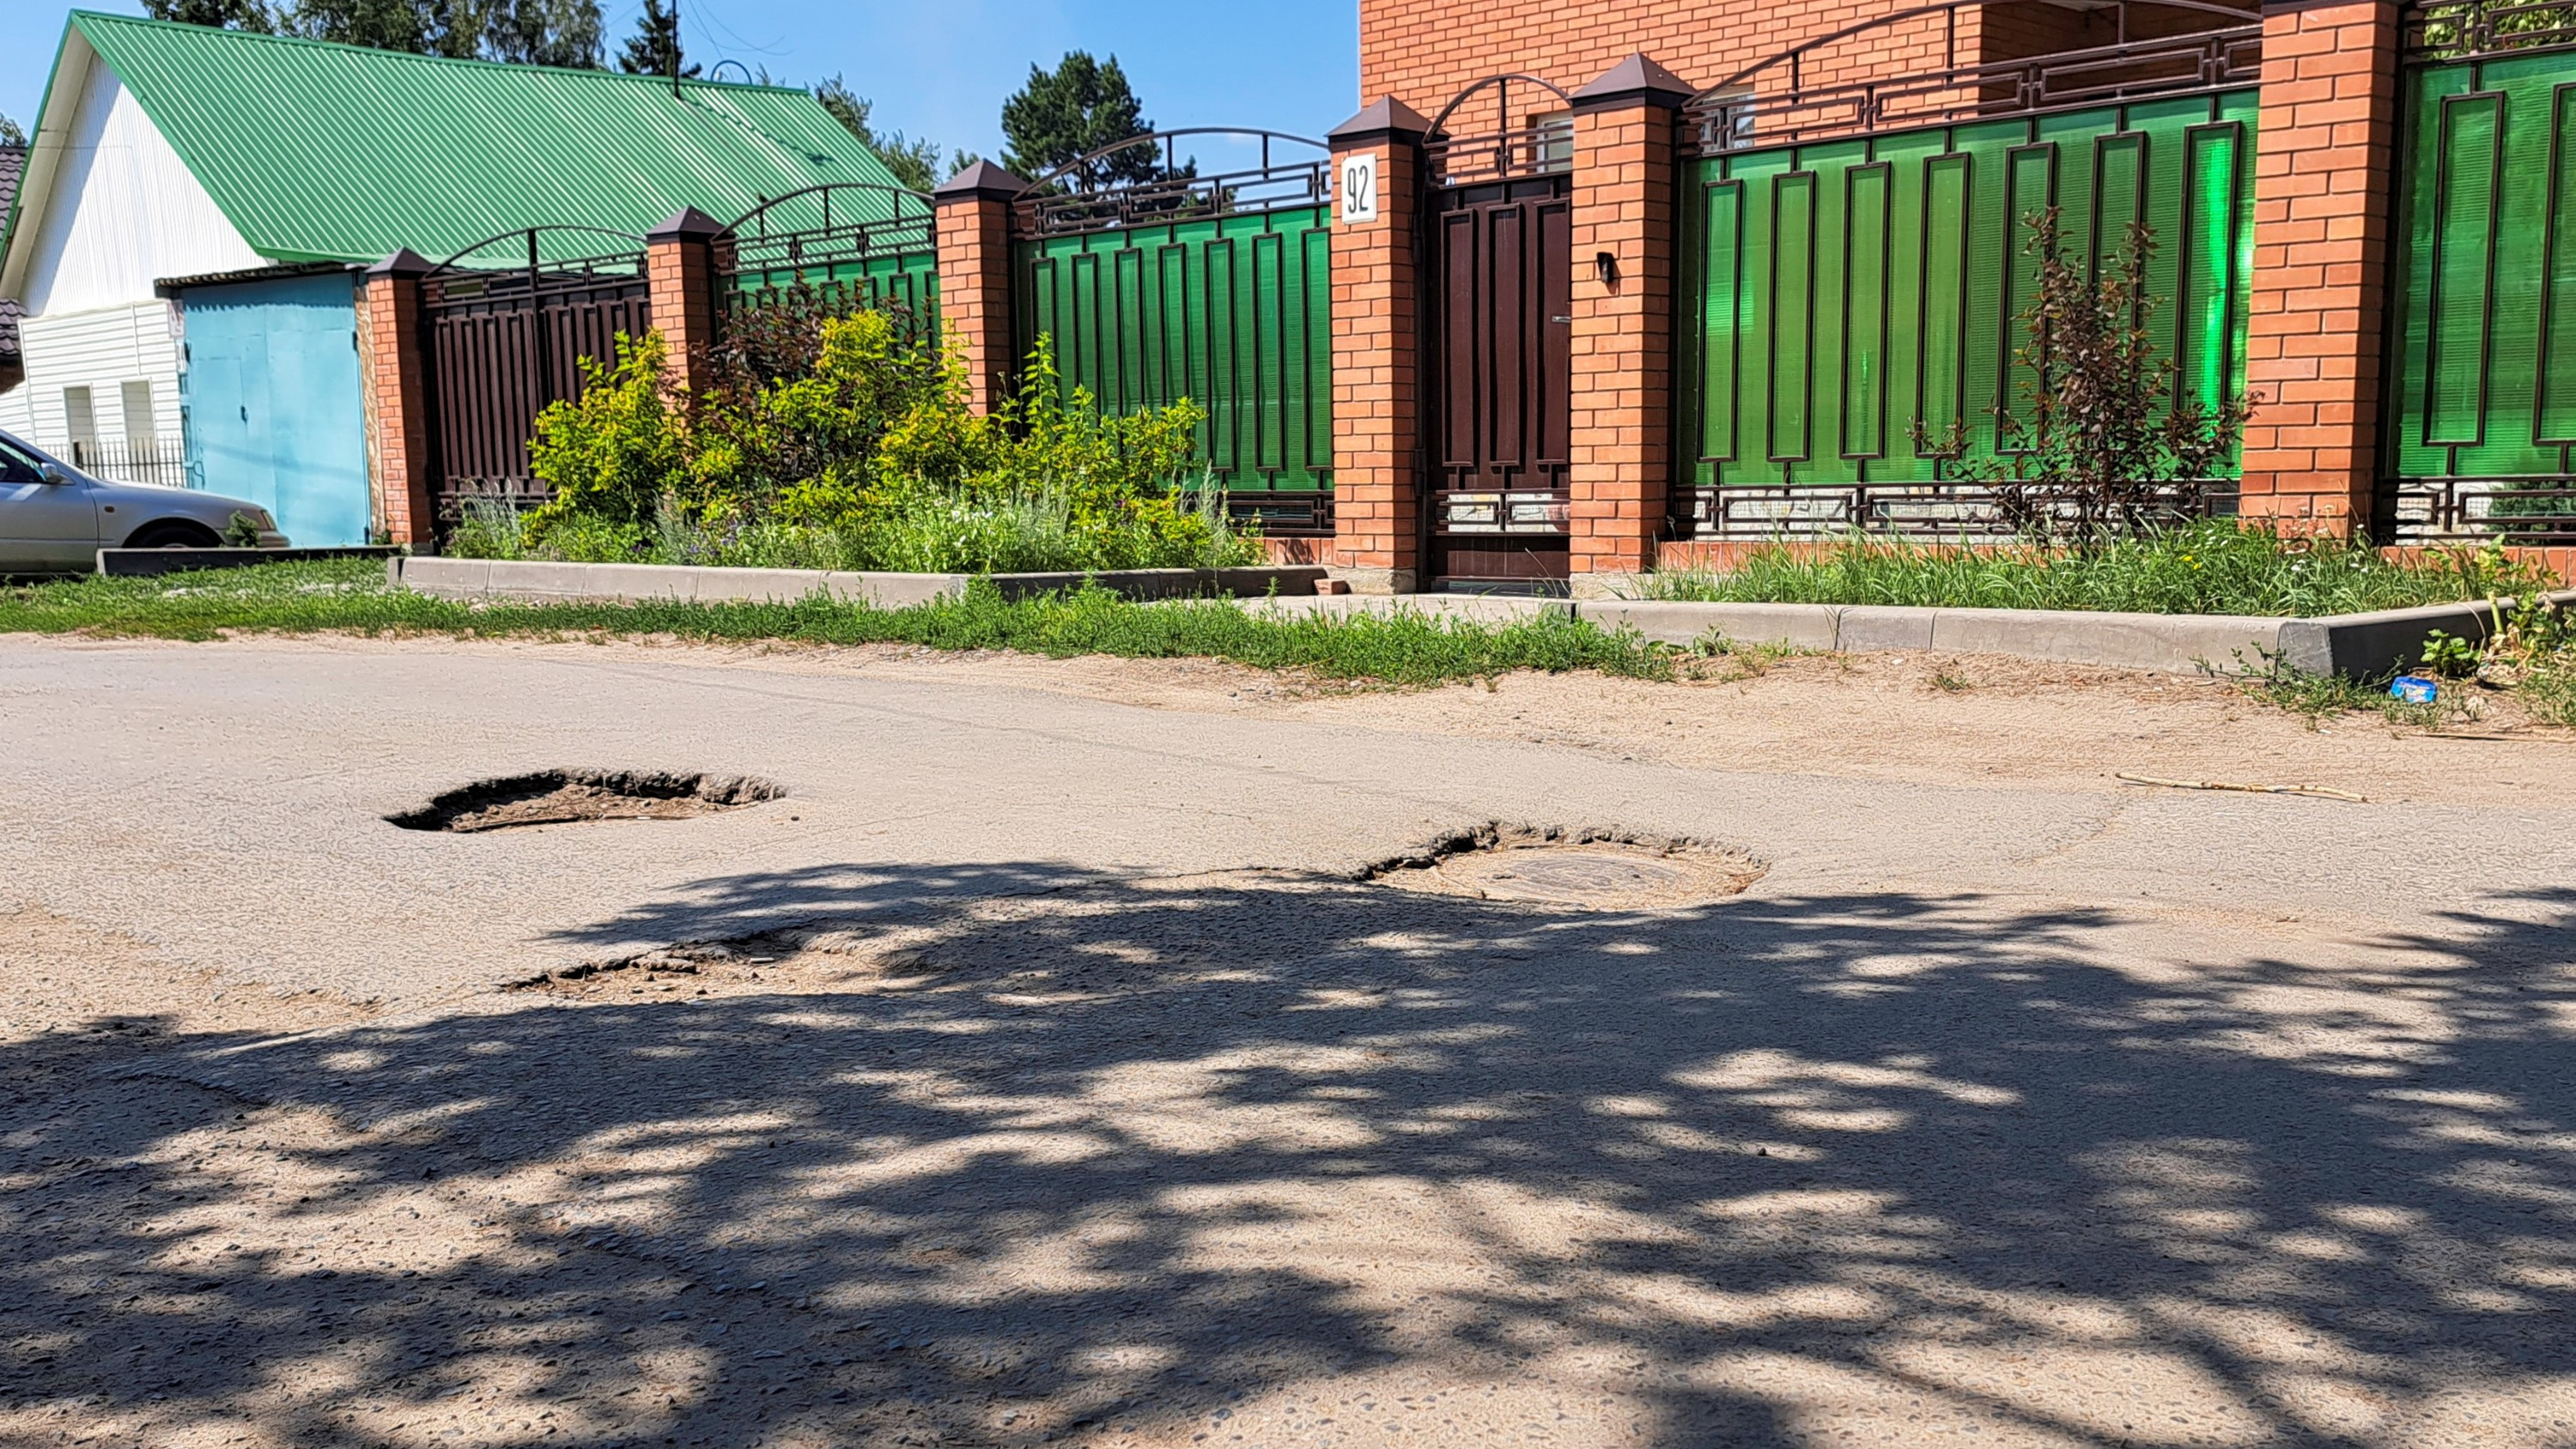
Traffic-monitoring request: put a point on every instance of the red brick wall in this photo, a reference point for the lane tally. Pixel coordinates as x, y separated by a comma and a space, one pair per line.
396, 405
2321, 217
975, 291
1377, 516
1424, 52
679, 277
1620, 438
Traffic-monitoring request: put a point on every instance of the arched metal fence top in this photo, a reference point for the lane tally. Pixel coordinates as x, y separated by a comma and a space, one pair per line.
1501, 85
536, 255
1525, 144
2225, 52
1082, 167
1074, 197
821, 195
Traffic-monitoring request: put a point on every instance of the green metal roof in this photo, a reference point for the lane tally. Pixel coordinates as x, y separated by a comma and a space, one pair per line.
335, 152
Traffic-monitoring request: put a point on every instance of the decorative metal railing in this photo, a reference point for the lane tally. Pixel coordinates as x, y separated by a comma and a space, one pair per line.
1952, 511
533, 264
162, 460
1519, 141
2524, 512
834, 248
1147, 181
2448, 30
1777, 102
1838, 295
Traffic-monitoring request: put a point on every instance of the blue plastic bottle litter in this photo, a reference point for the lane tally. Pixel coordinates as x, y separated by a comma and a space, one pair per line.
2415, 689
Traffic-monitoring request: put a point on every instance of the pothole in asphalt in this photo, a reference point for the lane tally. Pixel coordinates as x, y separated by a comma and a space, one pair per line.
558, 797
1597, 868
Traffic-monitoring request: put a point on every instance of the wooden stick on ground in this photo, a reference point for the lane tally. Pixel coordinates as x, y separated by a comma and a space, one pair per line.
2319, 791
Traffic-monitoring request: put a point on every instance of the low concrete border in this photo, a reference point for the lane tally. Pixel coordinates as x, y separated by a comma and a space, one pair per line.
468, 578
147, 563
2357, 646
2171, 643
2365, 646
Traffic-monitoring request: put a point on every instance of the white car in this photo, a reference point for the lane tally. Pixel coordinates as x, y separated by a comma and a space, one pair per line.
54, 518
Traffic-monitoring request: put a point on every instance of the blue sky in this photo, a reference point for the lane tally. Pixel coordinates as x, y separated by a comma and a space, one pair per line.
941, 69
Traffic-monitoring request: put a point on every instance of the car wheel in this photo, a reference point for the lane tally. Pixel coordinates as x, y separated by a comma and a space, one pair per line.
169, 534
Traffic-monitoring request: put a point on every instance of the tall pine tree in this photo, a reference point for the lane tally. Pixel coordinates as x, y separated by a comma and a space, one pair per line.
1072, 111
654, 48
914, 163
527, 32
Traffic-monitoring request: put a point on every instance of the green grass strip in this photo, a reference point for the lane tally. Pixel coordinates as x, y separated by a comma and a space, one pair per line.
346, 597
2213, 567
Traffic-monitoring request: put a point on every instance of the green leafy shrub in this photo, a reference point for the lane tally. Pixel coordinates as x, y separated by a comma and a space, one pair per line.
832, 441
611, 456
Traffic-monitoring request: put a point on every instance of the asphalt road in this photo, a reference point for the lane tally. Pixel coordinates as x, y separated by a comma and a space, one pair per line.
1083, 1097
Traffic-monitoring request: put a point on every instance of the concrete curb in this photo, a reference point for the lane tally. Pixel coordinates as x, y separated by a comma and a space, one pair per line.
465, 578
2364, 646
151, 563
2173, 643
2359, 646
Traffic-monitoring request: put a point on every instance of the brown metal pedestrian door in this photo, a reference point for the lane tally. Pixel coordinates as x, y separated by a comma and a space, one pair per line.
1503, 282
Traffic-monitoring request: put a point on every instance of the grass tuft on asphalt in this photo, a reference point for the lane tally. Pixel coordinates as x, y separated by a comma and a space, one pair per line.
353, 597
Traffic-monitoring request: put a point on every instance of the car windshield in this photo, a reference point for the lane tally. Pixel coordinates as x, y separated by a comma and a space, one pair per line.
19, 463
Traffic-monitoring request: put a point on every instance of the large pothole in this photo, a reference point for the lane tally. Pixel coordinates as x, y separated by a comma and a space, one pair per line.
560, 797
1599, 868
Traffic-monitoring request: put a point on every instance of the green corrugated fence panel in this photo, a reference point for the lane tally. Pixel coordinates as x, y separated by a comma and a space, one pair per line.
1864, 340
1837, 294
2558, 339
2485, 293
1234, 313
908, 280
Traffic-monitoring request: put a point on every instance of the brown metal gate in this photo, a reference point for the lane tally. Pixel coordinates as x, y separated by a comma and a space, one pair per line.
1498, 334
504, 344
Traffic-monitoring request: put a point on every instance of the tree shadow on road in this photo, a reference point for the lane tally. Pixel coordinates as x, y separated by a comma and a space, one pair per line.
1248, 1153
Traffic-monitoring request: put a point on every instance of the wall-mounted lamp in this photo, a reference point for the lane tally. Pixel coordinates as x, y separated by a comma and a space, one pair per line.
1605, 265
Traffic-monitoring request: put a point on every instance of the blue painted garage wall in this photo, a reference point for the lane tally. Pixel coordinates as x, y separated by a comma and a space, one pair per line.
270, 386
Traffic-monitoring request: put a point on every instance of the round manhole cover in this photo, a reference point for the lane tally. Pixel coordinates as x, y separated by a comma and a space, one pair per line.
1596, 869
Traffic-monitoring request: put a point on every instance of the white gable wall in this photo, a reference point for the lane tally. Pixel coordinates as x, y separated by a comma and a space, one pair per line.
116, 212
101, 350
121, 211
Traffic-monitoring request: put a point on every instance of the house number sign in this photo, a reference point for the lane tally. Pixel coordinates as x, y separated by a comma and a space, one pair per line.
1359, 188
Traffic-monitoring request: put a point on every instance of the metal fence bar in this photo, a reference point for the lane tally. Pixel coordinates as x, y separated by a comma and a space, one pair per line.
1213, 288
1093, 193
162, 460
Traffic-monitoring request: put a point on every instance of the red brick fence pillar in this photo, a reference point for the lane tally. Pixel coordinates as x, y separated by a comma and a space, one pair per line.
2324, 187
1377, 337
1619, 439
395, 382
973, 218
680, 282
